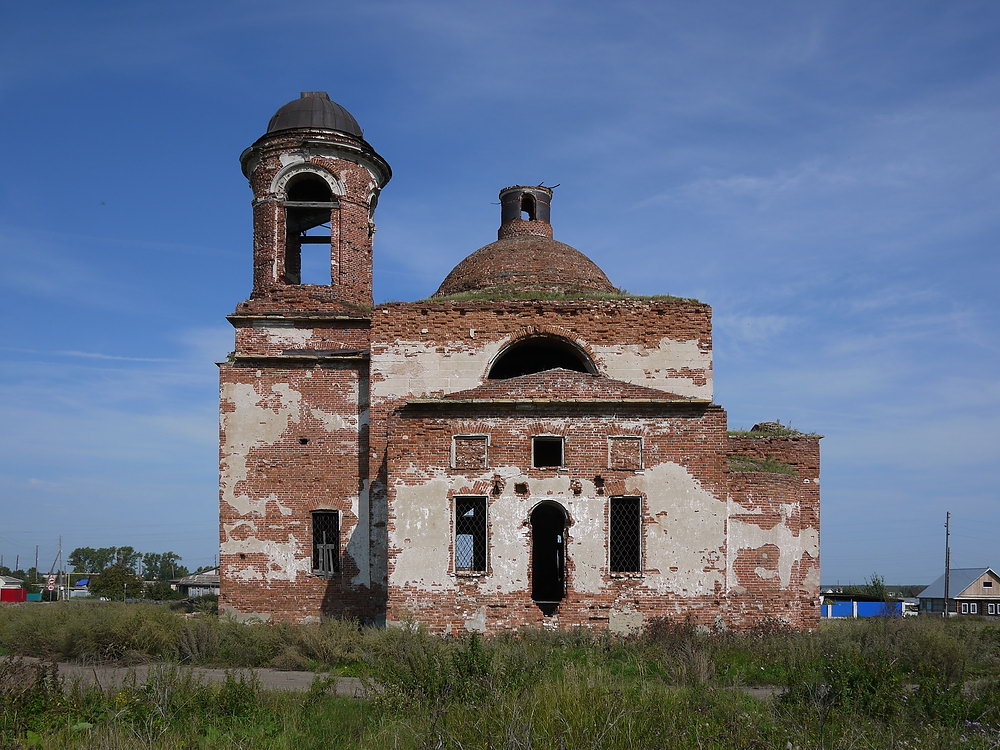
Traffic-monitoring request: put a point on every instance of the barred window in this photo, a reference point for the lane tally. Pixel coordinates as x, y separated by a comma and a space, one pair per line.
326, 542
470, 534
625, 537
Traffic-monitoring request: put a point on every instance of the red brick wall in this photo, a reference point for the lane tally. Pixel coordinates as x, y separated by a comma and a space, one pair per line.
265, 532
350, 229
774, 532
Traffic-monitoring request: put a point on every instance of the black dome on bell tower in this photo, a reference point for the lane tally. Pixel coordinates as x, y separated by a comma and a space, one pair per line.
314, 110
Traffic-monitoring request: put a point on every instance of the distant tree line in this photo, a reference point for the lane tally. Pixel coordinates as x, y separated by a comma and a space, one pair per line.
119, 572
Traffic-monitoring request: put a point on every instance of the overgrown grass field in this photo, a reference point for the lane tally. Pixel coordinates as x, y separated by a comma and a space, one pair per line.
883, 683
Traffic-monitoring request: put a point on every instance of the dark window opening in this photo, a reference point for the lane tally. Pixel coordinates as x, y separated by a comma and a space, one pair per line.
470, 534
548, 556
326, 542
308, 187
625, 535
537, 355
546, 452
316, 201
528, 207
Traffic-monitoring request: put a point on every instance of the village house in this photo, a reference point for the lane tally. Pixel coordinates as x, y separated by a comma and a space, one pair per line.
971, 591
529, 446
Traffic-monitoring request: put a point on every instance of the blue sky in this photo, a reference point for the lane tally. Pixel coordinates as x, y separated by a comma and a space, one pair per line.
825, 175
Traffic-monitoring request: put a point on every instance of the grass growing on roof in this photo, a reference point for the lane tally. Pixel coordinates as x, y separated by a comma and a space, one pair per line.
770, 465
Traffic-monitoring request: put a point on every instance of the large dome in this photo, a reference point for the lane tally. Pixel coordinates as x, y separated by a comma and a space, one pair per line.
528, 263
525, 258
314, 109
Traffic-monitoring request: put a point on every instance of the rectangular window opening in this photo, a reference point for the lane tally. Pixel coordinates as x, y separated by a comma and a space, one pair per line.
546, 452
308, 256
326, 542
973, 608
315, 260
625, 535
965, 608
987, 584
470, 534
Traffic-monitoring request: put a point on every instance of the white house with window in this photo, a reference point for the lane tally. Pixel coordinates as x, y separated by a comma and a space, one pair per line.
971, 591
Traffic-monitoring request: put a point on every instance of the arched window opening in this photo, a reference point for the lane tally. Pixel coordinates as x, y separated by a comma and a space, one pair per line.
308, 187
538, 354
528, 207
548, 556
308, 203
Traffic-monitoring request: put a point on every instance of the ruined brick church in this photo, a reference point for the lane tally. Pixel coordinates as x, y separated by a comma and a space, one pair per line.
529, 446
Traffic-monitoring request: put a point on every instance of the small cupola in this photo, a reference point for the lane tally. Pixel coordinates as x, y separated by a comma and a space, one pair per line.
524, 210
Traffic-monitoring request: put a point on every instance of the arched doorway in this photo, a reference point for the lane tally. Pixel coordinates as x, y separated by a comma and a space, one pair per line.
548, 556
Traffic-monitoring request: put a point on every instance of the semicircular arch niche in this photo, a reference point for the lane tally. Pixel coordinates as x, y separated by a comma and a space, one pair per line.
537, 354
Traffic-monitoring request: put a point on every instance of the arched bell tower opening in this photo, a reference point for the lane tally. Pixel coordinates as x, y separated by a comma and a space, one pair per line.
308, 205
537, 354
548, 522
315, 182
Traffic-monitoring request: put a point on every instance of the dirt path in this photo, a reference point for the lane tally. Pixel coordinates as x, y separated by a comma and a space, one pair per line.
270, 679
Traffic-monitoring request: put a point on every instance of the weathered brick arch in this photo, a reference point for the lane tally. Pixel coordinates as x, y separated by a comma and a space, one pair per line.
570, 521
279, 183
526, 333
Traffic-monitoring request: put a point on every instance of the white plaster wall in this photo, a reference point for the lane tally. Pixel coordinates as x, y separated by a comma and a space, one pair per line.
651, 366
689, 533
418, 368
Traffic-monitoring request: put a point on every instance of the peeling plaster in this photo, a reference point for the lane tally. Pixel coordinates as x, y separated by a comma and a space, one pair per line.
684, 546
791, 545
333, 422
414, 368
251, 425
296, 337
477, 623
651, 366
234, 614
624, 622
285, 560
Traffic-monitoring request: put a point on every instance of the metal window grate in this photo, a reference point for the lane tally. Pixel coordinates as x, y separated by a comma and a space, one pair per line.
470, 534
625, 539
326, 542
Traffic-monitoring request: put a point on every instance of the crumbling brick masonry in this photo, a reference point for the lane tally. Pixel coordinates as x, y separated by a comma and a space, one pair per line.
529, 446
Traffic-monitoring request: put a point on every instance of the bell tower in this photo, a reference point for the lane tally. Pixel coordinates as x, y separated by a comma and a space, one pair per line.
294, 511
315, 183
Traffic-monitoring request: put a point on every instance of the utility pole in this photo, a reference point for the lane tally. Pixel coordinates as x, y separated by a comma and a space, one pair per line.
36, 564
947, 559
59, 571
